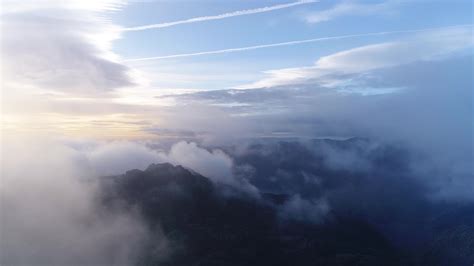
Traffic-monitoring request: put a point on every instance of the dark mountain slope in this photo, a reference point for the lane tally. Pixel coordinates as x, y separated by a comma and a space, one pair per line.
203, 227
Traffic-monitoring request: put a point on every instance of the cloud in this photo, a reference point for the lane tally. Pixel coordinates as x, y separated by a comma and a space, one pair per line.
118, 157
100, 158
431, 116
297, 208
348, 9
214, 164
221, 16
430, 45
50, 213
61, 46
12, 6
263, 46
58, 69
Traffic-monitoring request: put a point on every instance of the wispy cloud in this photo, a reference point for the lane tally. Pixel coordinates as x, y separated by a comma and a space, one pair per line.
348, 8
221, 16
255, 47
336, 69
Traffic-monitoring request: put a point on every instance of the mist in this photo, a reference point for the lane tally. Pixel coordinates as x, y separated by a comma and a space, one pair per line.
51, 213
281, 139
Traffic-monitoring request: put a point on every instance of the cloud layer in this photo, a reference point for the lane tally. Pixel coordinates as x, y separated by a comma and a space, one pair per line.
50, 214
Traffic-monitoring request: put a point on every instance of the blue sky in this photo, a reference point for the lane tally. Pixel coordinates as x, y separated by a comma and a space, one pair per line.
76, 71
81, 95
282, 25
86, 68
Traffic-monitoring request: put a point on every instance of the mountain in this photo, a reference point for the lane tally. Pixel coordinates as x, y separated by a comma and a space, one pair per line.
380, 211
204, 227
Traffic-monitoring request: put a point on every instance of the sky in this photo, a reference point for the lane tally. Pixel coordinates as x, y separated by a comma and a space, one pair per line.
114, 69
98, 87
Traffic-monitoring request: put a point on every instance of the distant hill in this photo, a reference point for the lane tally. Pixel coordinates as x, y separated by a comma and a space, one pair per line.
206, 228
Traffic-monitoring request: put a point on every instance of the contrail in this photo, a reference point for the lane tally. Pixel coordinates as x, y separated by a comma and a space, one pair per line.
255, 47
221, 16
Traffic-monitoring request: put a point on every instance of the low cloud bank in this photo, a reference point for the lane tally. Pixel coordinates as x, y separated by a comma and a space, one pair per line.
118, 157
214, 164
50, 211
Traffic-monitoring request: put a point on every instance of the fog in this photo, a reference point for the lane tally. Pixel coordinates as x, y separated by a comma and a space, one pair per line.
50, 213
377, 134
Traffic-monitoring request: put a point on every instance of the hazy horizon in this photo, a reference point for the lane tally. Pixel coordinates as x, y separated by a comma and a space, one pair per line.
329, 114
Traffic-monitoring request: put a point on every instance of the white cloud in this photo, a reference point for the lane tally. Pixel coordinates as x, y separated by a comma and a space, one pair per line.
221, 16
348, 8
49, 214
60, 46
118, 157
430, 45
289, 43
214, 164
12, 6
